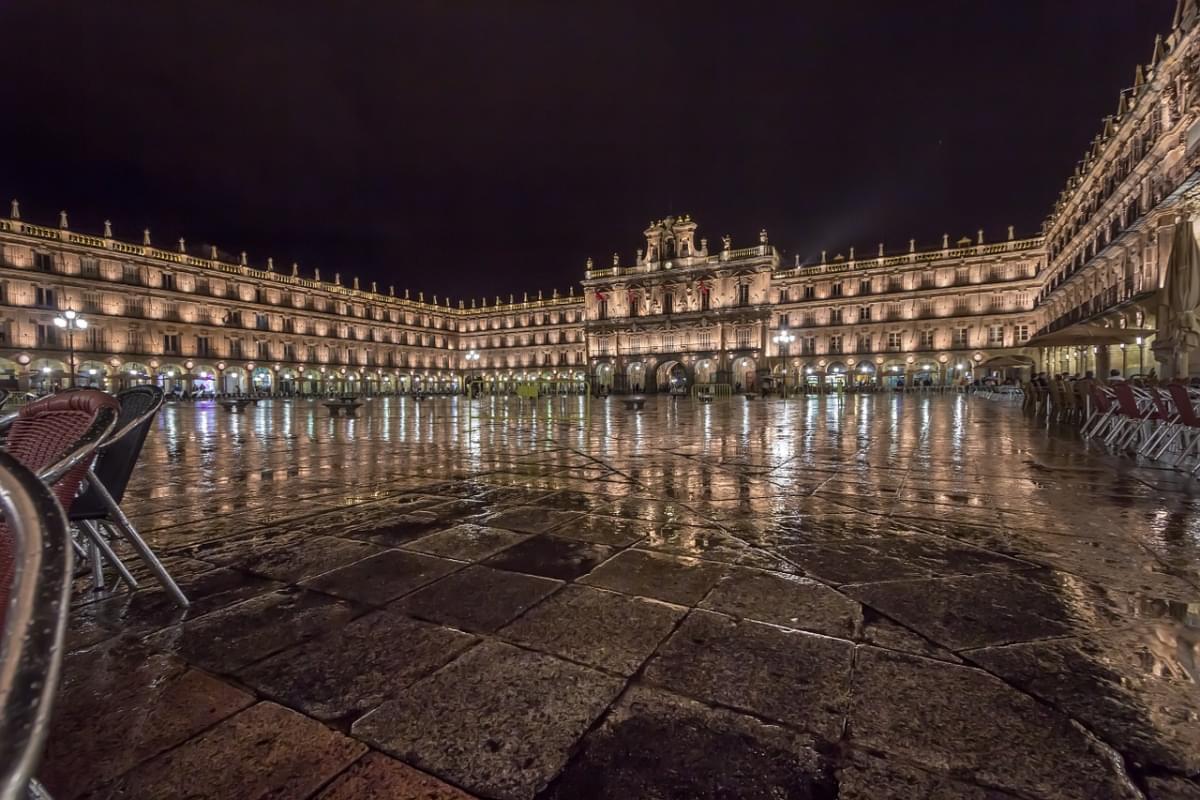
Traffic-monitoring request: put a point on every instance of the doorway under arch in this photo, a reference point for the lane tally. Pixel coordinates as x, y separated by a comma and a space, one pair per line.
670, 376
743, 374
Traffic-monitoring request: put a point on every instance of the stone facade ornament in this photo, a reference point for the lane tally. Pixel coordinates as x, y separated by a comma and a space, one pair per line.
62, 220
107, 229
146, 237
244, 260
14, 210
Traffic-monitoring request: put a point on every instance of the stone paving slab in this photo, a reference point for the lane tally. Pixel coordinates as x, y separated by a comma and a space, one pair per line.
498, 721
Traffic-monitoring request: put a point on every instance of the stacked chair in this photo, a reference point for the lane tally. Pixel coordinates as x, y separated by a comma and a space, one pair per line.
1157, 423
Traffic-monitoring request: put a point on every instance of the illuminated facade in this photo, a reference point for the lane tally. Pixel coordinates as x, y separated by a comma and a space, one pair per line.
680, 313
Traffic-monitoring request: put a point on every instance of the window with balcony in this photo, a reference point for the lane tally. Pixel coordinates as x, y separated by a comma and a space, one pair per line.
261, 322
835, 343
1022, 333
862, 344
743, 294
808, 345
43, 297
130, 274
835, 316
263, 350
961, 337
168, 281
47, 335
864, 314
836, 289
810, 292
668, 303
864, 287
89, 268
43, 262
995, 335
602, 309
171, 344
894, 341
925, 340
203, 346
783, 296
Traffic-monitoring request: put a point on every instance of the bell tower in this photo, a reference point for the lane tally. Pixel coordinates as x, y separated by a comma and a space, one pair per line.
669, 239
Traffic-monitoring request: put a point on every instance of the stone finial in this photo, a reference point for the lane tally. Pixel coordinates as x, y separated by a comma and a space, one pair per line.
337, 279
182, 245
797, 260
525, 299
979, 236
703, 245
145, 237
356, 283
945, 241
539, 294
639, 255
461, 305
1010, 233
762, 236
270, 264
14, 211
727, 242
107, 229
822, 256
472, 302
589, 262
912, 245
62, 220
572, 290
555, 295
391, 291
317, 274
881, 249
510, 299
435, 299
483, 300
497, 299
295, 270
420, 297
374, 288
447, 302
244, 260
851, 253
406, 297
212, 252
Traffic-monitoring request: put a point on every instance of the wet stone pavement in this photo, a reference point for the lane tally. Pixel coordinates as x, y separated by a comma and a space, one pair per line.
869, 598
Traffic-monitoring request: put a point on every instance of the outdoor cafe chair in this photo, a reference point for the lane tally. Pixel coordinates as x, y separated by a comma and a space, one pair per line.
99, 503
35, 594
1135, 411
1103, 409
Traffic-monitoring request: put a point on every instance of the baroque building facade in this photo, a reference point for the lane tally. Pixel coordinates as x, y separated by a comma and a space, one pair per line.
1083, 295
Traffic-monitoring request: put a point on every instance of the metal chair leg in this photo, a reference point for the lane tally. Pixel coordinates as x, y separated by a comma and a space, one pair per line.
97, 540
97, 565
117, 518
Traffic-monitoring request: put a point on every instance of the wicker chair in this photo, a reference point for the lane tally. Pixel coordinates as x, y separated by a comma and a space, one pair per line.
99, 504
35, 592
56, 437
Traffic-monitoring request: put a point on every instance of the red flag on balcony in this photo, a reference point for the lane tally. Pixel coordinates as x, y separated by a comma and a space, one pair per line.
601, 295
704, 287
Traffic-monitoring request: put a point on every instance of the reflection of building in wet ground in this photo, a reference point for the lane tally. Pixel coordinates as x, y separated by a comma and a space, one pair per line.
878, 595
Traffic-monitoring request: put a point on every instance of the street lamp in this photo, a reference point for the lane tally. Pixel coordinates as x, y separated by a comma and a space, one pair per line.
472, 358
782, 340
72, 322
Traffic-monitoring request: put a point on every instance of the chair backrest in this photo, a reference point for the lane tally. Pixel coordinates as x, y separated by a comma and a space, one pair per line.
1183, 405
35, 593
1126, 400
1101, 398
120, 452
60, 433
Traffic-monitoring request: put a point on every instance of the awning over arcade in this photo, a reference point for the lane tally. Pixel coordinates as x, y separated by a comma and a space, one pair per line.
1089, 333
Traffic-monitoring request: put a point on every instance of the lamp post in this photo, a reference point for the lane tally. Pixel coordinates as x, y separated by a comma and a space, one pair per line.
782, 341
472, 358
72, 322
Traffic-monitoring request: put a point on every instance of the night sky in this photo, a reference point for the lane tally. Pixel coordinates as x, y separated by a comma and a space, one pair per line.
477, 148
